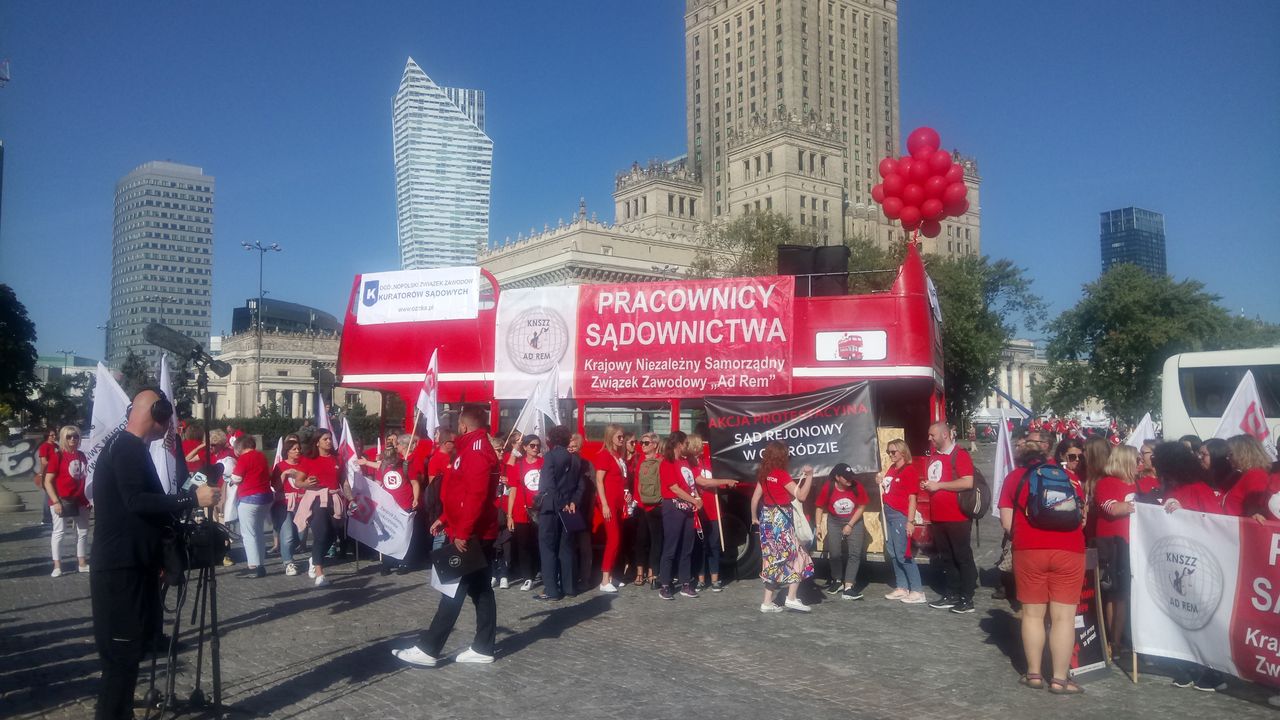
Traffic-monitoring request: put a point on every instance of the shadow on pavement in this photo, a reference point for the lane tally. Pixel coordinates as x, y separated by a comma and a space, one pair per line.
556, 619
1004, 631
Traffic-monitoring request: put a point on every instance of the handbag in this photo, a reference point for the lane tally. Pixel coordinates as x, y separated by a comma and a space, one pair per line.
70, 508
804, 531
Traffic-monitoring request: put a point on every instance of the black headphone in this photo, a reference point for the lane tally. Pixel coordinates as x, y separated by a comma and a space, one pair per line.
161, 409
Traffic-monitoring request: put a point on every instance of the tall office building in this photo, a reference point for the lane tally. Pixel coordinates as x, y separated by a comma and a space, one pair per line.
826, 68
443, 164
1136, 236
162, 257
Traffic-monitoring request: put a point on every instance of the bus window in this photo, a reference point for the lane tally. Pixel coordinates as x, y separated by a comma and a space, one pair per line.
1207, 390
692, 415
636, 417
509, 412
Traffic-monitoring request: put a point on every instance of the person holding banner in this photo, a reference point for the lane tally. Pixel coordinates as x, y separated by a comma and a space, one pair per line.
610, 480
785, 562
680, 503
899, 487
64, 478
1256, 493
1114, 501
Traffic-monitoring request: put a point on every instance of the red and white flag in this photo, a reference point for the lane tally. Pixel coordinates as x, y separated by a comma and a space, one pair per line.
428, 397
1005, 461
1244, 416
376, 519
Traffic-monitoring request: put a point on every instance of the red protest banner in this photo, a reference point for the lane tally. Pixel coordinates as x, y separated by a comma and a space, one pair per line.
676, 339
1255, 624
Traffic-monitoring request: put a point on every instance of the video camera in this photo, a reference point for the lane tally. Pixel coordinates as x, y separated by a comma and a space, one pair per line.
195, 541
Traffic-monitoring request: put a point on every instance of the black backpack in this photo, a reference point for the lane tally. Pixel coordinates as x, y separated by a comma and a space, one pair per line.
1052, 502
975, 502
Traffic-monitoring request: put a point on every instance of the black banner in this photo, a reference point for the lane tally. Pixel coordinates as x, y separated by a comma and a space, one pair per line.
822, 429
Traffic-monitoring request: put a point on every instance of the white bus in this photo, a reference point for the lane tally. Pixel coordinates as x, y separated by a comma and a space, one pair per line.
1197, 387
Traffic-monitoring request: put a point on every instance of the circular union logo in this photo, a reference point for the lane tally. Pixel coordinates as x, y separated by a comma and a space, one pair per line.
537, 340
75, 469
392, 480
1185, 580
843, 506
531, 479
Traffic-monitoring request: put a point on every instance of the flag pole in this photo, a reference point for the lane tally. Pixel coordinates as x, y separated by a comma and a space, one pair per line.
715, 495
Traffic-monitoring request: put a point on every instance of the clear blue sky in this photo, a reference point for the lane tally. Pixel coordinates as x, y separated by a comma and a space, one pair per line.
1070, 108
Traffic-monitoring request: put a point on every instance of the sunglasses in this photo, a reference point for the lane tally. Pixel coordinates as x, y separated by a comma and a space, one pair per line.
73, 437
535, 446
1074, 456
895, 452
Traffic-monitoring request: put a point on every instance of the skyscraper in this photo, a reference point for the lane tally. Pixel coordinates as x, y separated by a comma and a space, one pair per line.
162, 256
443, 163
1133, 235
826, 68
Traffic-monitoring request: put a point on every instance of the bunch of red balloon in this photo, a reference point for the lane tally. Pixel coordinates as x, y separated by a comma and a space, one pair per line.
924, 187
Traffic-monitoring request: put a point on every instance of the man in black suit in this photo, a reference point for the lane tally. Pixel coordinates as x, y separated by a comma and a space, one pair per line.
131, 512
559, 491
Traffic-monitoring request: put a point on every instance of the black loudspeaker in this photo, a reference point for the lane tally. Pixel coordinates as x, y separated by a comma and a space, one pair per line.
797, 260
831, 270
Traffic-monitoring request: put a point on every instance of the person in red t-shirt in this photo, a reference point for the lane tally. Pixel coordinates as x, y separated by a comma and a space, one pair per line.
948, 471
392, 475
838, 522
192, 448
326, 491
285, 476
254, 498
611, 480
523, 476
680, 503
1049, 567
785, 562
1256, 493
1114, 500
64, 479
47, 450
899, 489
707, 561
470, 521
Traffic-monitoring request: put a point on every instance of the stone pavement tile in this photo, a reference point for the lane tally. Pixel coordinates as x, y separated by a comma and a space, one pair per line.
291, 650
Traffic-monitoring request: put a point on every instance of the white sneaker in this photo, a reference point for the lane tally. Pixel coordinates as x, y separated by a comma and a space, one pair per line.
526, 586
493, 582
503, 584
897, 594
57, 572
311, 569
415, 656
84, 568
321, 580
608, 588
770, 608
915, 598
797, 605
471, 656
291, 569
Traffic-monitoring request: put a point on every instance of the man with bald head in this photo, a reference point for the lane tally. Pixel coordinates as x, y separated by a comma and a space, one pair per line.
132, 512
948, 472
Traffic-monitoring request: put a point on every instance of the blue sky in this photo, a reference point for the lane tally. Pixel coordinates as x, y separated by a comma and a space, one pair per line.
1070, 108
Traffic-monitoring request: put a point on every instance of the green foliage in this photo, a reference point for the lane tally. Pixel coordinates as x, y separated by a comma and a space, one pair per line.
1112, 345
17, 354
873, 268
134, 374
746, 246
981, 302
63, 400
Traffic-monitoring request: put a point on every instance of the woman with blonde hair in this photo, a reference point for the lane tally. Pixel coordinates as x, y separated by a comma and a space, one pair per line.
785, 562
706, 562
899, 486
1256, 492
64, 478
1113, 502
611, 479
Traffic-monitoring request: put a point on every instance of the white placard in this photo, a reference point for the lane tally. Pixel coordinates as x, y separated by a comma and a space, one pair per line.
851, 345
451, 293
537, 332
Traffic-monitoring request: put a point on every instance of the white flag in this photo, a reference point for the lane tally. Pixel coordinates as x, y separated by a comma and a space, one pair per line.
279, 453
322, 414
162, 450
1005, 462
1145, 430
376, 519
428, 404
1244, 416
540, 406
110, 413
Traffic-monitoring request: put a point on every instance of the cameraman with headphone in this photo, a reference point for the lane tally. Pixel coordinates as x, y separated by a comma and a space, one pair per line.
132, 514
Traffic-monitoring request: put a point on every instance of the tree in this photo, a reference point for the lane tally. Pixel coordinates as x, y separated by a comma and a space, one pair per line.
133, 374
1112, 345
746, 246
17, 354
982, 301
62, 401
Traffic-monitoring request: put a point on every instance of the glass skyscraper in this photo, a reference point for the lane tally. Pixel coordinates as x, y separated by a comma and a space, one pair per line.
161, 257
443, 164
1136, 236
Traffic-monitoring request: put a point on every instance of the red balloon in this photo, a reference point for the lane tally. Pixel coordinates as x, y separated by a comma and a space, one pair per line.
955, 192
892, 207
955, 173
888, 167
940, 162
964, 208
893, 186
904, 166
930, 228
935, 186
912, 195
925, 137
877, 193
922, 153
954, 209
910, 217
931, 209
920, 172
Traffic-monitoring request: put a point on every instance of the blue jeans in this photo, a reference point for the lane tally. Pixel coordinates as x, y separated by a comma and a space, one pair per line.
286, 533
252, 517
906, 573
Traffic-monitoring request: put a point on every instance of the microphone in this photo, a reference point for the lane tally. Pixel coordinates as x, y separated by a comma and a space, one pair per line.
175, 342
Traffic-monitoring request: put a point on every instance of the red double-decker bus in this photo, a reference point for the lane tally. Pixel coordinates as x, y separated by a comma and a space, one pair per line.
645, 355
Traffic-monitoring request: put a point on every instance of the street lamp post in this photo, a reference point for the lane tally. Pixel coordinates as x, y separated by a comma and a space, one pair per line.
262, 252
66, 359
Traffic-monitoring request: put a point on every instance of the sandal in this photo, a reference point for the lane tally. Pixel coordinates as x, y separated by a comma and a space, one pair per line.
639, 581
1032, 680
1065, 687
